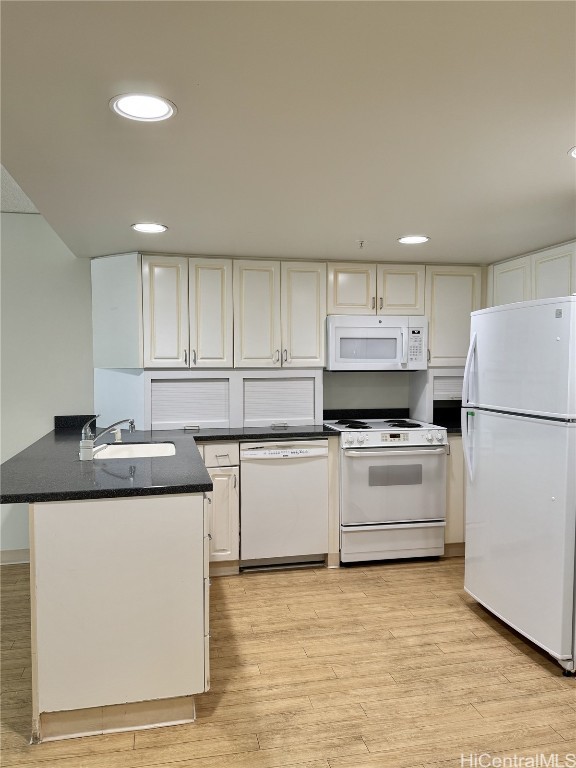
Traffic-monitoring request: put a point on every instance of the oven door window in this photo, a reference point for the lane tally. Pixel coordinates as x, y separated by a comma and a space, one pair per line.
381, 486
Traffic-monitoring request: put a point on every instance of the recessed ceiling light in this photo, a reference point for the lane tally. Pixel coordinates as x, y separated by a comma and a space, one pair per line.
140, 106
572, 152
413, 239
149, 227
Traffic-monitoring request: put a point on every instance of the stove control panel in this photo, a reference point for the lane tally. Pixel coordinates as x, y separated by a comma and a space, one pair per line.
394, 437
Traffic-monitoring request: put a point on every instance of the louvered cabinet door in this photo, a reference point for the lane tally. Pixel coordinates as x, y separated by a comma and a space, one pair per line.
165, 311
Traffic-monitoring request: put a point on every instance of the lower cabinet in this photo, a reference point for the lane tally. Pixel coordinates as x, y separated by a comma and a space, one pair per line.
223, 505
455, 496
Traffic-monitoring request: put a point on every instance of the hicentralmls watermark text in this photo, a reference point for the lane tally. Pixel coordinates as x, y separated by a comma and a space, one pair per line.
486, 760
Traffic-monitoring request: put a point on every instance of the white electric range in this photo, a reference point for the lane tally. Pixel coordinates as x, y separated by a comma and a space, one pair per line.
392, 488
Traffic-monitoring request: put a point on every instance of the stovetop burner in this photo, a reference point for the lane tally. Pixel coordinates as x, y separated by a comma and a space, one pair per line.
403, 423
354, 424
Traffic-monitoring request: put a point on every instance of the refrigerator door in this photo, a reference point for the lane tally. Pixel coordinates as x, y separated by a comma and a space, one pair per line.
522, 358
520, 523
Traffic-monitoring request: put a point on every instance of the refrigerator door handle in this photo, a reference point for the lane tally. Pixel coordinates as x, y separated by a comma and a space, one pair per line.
467, 369
466, 442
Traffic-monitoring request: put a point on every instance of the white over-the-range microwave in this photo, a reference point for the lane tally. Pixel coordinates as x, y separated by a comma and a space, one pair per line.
377, 343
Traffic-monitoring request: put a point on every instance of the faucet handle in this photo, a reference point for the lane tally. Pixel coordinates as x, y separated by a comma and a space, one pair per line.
131, 425
86, 431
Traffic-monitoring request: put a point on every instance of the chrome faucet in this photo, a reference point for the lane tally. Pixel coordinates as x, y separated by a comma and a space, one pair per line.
112, 428
88, 441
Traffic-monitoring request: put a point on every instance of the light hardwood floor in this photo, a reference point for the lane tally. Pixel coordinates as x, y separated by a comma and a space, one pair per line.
389, 665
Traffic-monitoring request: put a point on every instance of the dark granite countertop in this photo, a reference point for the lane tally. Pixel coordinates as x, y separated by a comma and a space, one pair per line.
50, 470
262, 433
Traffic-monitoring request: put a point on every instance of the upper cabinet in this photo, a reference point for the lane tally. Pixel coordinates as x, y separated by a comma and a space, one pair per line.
383, 289
165, 311
512, 281
279, 311
257, 333
303, 314
351, 289
161, 312
210, 302
400, 289
540, 275
452, 293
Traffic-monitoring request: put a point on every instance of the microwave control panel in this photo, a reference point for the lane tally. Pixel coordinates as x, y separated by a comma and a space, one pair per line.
416, 345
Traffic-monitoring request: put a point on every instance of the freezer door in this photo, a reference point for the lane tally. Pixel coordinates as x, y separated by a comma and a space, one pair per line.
520, 523
522, 358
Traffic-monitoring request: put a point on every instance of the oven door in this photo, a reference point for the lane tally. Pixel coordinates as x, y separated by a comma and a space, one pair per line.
393, 485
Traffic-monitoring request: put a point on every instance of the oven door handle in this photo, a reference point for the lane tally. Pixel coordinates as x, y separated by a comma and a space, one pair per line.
387, 452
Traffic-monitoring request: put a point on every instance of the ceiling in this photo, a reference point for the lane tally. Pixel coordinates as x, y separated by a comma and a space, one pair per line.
302, 127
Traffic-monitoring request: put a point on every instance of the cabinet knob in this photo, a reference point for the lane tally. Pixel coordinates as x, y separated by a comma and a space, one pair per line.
194, 357
381, 303
285, 356
277, 356
373, 302
185, 357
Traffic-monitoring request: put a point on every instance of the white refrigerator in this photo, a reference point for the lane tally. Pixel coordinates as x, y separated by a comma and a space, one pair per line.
519, 437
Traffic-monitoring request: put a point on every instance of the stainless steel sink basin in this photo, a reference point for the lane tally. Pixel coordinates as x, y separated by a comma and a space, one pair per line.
134, 450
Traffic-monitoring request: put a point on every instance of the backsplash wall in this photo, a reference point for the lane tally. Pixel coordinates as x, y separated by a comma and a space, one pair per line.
366, 389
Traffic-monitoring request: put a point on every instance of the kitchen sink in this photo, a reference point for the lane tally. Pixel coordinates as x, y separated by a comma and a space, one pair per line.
134, 450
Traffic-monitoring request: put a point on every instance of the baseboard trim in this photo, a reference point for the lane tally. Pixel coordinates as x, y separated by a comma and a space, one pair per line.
114, 718
454, 550
14, 556
225, 568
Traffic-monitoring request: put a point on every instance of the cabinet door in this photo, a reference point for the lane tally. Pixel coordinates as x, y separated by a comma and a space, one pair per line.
554, 272
455, 492
351, 289
452, 293
400, 289
224, 514
257, 339
210, 313
303, 311
511, 281
165, 311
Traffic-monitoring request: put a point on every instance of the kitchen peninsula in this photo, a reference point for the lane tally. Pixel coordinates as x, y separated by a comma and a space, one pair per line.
119, 584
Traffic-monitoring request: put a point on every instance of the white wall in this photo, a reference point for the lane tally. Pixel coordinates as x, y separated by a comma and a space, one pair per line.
366, 389
46, 345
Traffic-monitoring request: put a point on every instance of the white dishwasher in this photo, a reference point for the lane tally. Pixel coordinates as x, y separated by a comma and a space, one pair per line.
284, 499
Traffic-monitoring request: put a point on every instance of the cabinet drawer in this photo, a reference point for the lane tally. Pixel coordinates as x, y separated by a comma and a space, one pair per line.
390, 542
221, 454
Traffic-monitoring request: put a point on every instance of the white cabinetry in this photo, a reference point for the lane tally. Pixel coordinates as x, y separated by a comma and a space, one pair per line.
400, 289
210, 302
108, 577
454, 533
540, 275
165, 311
384, 289
512, 281
351, 289
161, 312
222, 462
452, 293
279, 311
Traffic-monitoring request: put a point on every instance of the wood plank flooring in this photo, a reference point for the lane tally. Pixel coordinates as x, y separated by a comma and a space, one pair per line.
362, 667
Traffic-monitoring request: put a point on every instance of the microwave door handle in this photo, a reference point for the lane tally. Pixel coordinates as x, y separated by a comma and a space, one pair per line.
404, 347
